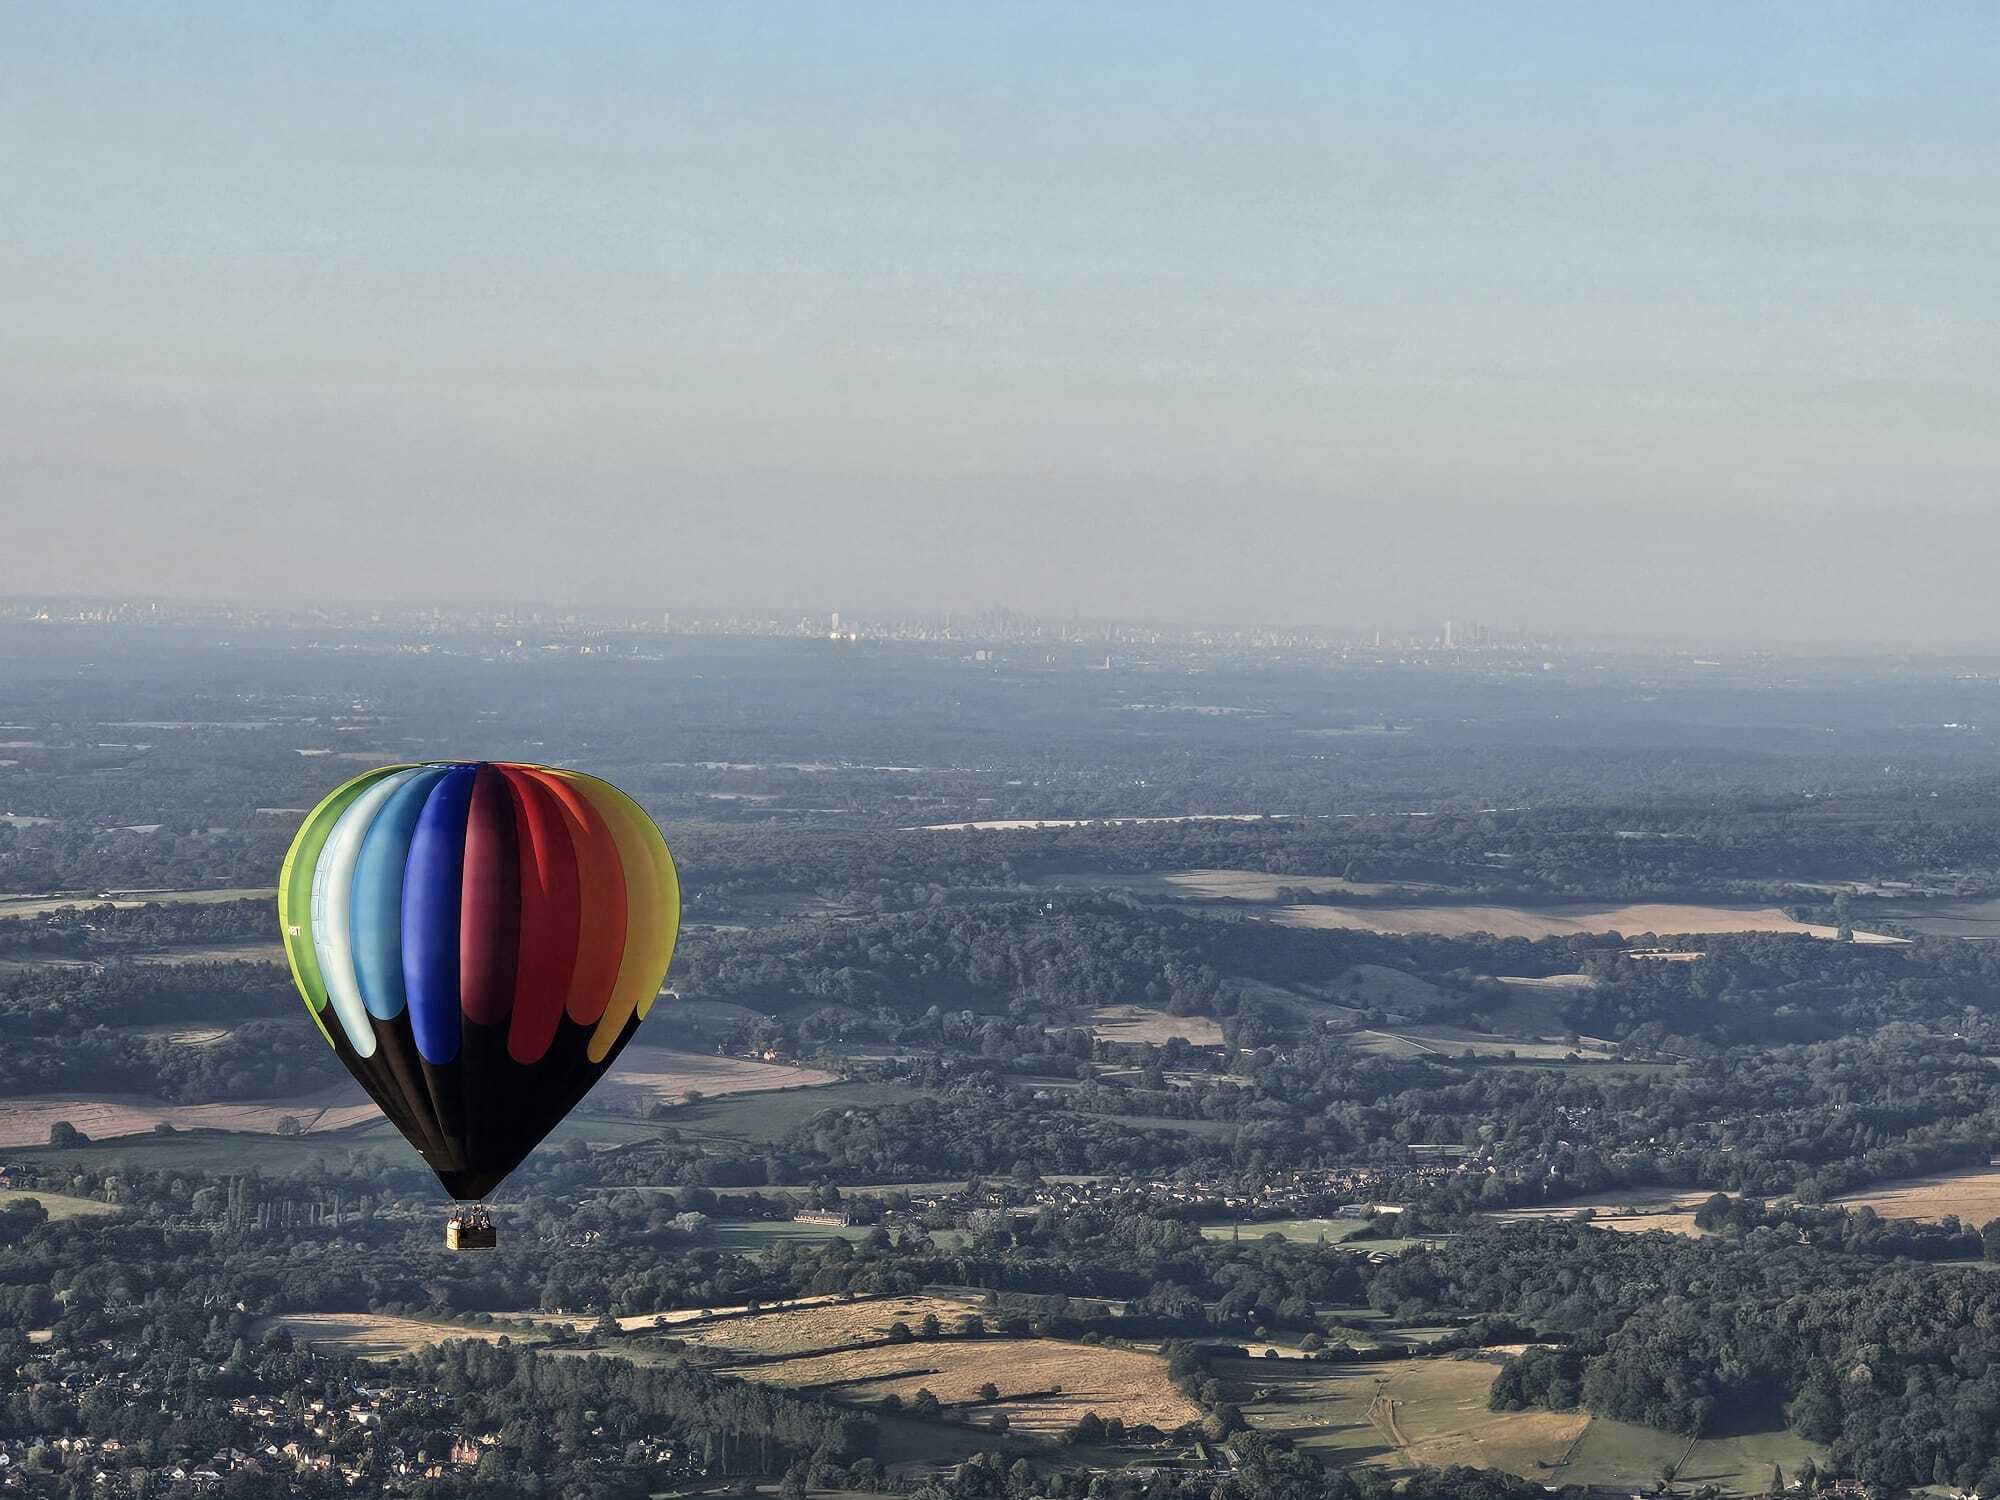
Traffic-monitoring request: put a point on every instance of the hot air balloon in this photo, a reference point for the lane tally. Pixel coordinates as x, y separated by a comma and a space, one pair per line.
477, 941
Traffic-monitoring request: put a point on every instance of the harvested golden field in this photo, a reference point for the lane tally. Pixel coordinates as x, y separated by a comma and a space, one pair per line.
374, 1335
1628, 1210
1224, 885
1456, 1041
1135, 1023
58, 1205
35, 906
1015, 825
641, 1077
645, 1322
220, 953
26, 1121
1112, 1382
822, 1324
1974, 1196
644, 1076
1680, 1224
1555, 921
1125, 1383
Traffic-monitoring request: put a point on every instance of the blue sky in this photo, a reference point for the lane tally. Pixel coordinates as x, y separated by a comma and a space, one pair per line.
1595, 317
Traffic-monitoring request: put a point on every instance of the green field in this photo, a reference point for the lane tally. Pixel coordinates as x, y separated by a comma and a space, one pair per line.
59, 1205
1621, 1454
763, 1119
877, 1189
222, 1151
1215, 1130
907, 1440
1600, 1068
1363, 1327
1400, 1414
1741, 1464
1299, 1231
757, 1235
1346, 1232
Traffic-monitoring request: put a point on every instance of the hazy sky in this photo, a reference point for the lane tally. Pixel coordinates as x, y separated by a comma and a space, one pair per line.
1637, 317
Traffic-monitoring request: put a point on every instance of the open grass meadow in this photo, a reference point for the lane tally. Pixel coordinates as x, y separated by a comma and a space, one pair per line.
1625, 1456
1045, 1384
58, 1205
1135, 1023
1399, 1414
646, 1075
822, 1324
766, 1118
1403, 1414
753, 1237
1628, 1211
222, 1152
1298, 1231
380, 1336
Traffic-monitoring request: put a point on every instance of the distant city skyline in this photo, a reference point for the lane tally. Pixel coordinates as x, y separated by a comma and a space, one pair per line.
1638, 321
971, 624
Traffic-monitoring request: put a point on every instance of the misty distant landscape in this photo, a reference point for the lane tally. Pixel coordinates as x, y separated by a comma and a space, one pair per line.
1094, 1053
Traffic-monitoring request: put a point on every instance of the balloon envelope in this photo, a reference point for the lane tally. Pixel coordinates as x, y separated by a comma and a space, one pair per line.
477, 941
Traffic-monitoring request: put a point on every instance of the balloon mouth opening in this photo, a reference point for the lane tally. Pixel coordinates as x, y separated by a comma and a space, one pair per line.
471, 1186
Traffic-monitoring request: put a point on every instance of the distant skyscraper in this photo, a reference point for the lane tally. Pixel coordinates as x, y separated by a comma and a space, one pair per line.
1447, 635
